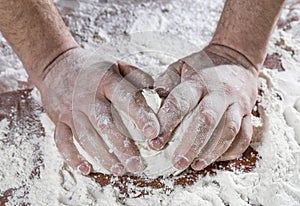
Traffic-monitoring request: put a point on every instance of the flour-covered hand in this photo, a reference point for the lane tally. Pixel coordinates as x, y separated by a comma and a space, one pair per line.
79, 94
211, 94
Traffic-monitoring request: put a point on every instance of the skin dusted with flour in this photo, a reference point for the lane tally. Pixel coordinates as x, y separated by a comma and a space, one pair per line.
46, 13
53, 60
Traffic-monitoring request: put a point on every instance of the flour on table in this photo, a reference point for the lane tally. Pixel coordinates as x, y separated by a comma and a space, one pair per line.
274, 182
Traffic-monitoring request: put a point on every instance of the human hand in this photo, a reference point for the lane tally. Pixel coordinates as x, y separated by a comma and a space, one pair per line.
211, 93
79, 94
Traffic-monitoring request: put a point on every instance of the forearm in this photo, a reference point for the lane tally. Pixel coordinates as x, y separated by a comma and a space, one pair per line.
36, 33
246, 26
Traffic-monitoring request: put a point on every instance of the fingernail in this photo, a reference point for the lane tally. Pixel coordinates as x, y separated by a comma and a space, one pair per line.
181, 162
156, 144
135, 164
149, 131
199, 165
118, 169
85, 168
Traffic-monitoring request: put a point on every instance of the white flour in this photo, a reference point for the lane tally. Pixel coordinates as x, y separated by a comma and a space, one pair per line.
274, 182
152, 158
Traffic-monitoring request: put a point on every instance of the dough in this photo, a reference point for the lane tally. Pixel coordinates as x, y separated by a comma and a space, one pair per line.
158, 163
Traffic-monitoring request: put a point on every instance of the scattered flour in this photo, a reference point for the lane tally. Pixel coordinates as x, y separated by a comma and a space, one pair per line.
274, 182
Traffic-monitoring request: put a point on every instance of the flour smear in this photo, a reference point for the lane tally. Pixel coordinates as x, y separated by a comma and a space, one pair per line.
274, 182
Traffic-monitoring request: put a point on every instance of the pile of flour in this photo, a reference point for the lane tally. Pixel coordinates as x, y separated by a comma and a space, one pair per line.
275, 181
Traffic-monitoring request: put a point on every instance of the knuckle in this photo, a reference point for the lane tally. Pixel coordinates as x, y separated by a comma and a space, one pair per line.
223, 142
167, 80
233, 127
172, 109
228, 88
181, 103
210, 117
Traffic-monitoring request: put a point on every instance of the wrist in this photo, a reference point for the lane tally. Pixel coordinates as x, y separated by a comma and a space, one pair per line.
53, 69
246, 26
252, 54
232, 55
38, 67
36, 32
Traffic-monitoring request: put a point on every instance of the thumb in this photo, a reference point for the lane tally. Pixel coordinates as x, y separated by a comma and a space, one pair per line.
168, 80
135, 76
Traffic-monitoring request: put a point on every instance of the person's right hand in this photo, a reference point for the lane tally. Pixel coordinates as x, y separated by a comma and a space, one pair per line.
215, 89
79, 94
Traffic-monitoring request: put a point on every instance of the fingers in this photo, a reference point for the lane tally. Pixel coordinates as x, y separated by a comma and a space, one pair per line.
169, 79
93, 144
135, 76
182, 70
198, 128
221, 139
241, 142
64, 142
174, 109
122, 146
125, 98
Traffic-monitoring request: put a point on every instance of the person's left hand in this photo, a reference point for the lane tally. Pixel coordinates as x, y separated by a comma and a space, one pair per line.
211, 96
80, 93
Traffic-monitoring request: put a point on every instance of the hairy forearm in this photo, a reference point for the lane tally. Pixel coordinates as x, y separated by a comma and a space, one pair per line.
36, 33
246, 26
